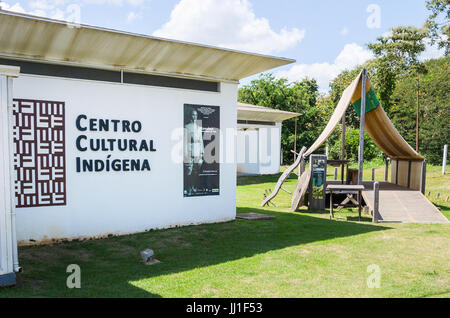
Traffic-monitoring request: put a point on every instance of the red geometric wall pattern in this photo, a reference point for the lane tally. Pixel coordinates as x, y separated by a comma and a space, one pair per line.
39, 153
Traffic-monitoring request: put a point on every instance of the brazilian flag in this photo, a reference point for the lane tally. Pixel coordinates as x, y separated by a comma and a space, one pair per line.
371, 102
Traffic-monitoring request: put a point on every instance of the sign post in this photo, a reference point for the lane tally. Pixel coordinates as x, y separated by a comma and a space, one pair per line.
318, 165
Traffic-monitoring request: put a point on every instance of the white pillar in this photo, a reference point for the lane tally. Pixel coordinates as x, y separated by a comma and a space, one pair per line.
8, 242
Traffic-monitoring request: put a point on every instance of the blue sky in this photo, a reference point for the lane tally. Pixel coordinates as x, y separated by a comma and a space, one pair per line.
323, 36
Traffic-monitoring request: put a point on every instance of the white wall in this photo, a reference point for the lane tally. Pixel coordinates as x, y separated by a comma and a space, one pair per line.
248, 151
100, 203
258, 149
6, 245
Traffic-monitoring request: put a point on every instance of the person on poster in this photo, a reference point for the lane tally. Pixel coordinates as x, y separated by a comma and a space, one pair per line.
194, 151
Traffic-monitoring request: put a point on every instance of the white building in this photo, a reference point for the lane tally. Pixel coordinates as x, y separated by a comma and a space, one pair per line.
259, 139
95, 143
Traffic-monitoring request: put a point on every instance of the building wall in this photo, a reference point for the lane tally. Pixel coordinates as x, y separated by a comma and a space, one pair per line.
258, 149
100, 203
7, 245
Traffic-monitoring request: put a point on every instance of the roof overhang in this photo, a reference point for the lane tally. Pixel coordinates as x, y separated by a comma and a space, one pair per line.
253, 112
10, 71
34, 38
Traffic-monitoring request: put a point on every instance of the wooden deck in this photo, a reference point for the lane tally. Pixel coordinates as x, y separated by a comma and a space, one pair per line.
401, 205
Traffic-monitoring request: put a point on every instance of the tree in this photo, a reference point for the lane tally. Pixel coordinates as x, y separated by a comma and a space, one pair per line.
438, 23
337, 87
396, 55
435, 108
371, 151
298, 96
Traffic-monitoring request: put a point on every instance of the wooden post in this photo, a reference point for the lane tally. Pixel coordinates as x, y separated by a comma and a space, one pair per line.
295, 135
417, 115
331, 204
281, 156
301, 167
286, 190
376, 201
373, 174
444, 159
335, 173
361, 128
424, 176
343, 148
359, 205
386, 169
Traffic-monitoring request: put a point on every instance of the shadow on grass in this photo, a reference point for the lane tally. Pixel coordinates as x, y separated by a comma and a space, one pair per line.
273, 178
364, 218
111, 267
442, 208
436, 295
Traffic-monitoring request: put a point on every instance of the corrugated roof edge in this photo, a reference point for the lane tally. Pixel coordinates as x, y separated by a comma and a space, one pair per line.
87, 26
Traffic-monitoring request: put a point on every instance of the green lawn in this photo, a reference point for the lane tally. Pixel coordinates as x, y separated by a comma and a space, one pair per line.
294, 255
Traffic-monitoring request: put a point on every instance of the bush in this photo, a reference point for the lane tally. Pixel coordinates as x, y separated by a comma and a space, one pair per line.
371, 151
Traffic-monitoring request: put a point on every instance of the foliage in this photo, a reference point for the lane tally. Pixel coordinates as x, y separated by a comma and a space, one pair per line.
392, 73
438, 23
396, 55
434, 115
371, 151
337, 87
298, 97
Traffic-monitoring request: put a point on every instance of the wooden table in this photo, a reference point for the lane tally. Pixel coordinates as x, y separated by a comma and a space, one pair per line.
347, 189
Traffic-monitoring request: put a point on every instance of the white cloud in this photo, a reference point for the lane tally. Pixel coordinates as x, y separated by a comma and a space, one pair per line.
64, 10
227, 23
41, 5
44, 8
136, 2
351, 55
117, 2
113, 2
131, 16
14, 8
344, 31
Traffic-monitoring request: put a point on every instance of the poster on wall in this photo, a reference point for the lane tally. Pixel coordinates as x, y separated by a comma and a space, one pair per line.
201, 150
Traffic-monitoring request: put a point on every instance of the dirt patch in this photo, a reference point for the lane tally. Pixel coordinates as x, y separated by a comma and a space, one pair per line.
54, 253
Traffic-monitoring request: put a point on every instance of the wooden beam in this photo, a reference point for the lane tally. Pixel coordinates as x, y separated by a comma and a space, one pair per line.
343, 147
417, 115
376, 201
295, 136
409, 173
283, 177
424, 177
386, 169
396, 171
361, 128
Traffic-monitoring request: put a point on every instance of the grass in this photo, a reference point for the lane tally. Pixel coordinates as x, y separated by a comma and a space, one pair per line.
295, 255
